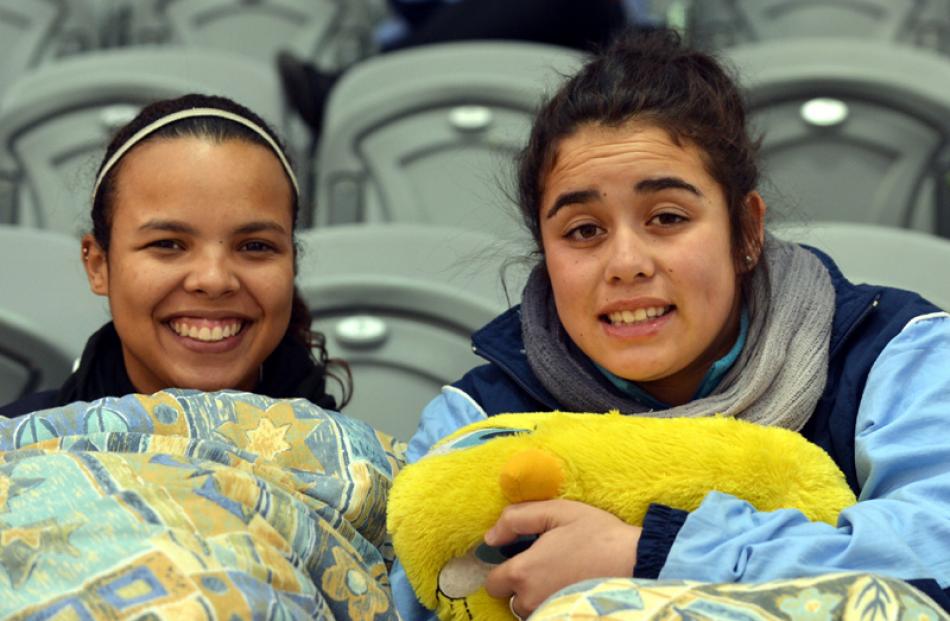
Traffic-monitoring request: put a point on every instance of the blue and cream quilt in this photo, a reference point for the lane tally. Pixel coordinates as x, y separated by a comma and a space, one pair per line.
189, 505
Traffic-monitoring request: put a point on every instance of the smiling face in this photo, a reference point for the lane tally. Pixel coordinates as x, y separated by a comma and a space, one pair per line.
200, 267
636, 238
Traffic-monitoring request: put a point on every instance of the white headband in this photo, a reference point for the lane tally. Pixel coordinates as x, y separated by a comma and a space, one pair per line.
187, 114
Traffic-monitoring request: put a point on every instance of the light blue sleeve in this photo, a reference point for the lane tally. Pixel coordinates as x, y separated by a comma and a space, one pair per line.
901, 525
450, 410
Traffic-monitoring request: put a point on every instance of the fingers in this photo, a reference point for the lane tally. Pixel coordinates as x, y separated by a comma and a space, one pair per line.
527, 518
574, 542
513, 577
510, 579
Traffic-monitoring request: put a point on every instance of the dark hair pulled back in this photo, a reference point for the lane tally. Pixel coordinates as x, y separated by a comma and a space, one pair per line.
652, 77
217, 130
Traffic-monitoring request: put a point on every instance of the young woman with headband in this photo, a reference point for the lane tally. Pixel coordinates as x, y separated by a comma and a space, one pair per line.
193, 217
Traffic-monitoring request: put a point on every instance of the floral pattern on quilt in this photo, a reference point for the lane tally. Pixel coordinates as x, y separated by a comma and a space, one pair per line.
190, 505
846, 596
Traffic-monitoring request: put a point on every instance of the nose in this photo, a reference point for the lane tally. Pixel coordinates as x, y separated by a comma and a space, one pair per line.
629, 258
212, 273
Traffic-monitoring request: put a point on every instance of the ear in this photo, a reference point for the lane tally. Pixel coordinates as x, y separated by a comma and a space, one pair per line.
97, 265
755, 223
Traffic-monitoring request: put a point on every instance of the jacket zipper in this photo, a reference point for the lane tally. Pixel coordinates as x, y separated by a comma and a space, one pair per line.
854, 324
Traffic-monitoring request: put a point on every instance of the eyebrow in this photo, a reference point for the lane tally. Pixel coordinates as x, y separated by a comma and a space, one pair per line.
260, 226
172, 226
577, 197
666, 183
658, 184
177, 226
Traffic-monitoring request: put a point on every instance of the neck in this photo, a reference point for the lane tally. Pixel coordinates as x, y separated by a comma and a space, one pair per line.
678, 390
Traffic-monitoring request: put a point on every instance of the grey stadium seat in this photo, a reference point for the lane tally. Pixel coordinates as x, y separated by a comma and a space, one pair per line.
334, 33
881, 255
723, 23
38, 31
46, 310
428, 134
399, 303
853, 130
56, 121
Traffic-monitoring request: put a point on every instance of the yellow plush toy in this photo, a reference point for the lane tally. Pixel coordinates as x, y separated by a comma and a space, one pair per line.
440, 507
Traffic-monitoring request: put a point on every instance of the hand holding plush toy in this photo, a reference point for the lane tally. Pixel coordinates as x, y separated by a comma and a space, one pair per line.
441, 507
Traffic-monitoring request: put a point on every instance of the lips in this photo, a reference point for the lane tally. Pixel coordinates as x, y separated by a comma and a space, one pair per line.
635, 316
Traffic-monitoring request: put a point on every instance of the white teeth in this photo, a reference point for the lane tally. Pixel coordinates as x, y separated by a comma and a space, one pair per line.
638, 315
204, 333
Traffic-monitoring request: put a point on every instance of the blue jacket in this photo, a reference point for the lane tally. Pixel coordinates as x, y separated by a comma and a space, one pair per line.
884, 417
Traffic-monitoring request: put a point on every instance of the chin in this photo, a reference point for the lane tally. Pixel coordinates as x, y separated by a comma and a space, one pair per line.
206, 384
639, 363
632, 376
636, 372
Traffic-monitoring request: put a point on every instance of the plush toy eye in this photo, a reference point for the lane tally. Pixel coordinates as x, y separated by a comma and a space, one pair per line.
496, 555
476, 438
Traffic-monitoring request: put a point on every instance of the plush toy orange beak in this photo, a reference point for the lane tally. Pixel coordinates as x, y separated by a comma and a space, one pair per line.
532, 474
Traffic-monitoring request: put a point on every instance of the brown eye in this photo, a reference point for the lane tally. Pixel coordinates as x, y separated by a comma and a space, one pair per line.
257, 246
668, 219
166, 244
584, 232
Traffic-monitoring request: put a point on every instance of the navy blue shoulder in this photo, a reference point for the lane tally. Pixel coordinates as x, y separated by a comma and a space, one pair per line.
507, 384
498, 393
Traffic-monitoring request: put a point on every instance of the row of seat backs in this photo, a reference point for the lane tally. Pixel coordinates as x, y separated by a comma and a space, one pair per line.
433, 132
881, 153
62, 94
468, 100
718, 24
398, 302
852, 130
333, 33
429, 134
56, 120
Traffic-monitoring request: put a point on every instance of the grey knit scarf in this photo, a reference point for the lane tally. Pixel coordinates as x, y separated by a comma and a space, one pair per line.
776, 380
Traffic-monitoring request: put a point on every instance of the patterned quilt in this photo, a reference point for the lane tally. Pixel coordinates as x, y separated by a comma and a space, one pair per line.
844, 596
188, 505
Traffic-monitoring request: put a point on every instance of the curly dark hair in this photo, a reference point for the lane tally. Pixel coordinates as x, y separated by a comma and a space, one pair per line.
652, 77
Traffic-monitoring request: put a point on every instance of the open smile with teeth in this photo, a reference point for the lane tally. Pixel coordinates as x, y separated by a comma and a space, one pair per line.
629, 317
207, 331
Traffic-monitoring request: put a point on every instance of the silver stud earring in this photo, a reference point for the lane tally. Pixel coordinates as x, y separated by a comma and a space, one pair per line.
748, 259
